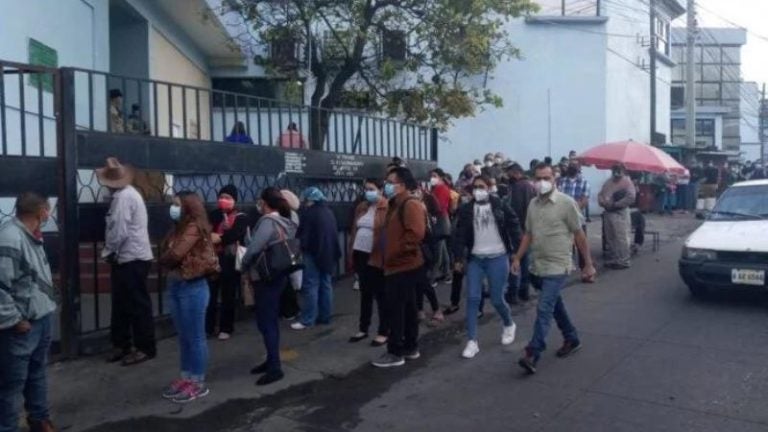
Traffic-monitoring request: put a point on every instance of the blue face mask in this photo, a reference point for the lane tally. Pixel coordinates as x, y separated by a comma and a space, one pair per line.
372, 196
174, 212
389, 190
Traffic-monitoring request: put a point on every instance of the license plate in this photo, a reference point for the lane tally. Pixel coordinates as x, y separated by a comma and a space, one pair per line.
748, 277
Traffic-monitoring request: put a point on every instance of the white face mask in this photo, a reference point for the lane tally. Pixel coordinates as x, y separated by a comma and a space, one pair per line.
543, 187
481, 195
489, 163
494, 189
434, 181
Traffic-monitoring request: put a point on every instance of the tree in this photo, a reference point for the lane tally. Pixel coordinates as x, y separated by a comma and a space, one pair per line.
417, 60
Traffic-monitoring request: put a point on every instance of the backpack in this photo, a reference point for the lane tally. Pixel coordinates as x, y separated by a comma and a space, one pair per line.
429, 244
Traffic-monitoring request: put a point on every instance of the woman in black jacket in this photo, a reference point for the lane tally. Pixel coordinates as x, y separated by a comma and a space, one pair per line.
487, 233
229, 229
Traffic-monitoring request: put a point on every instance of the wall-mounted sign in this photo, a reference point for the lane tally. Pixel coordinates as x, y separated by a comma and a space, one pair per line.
295, 163
41, 54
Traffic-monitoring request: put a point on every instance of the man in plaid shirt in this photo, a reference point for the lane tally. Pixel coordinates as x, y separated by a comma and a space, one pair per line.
577, 187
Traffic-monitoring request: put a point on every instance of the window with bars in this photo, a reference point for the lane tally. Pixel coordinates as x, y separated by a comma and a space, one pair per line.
569, 7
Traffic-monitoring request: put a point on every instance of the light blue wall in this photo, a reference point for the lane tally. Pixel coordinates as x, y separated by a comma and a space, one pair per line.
559, 59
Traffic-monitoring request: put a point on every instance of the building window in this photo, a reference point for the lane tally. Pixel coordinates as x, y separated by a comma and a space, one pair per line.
678, 97
394, 45
662, 35
282, 90
569, 7
705, 132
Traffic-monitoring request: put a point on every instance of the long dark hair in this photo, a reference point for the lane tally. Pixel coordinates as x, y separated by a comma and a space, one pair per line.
238, 129
192, 212
274, 199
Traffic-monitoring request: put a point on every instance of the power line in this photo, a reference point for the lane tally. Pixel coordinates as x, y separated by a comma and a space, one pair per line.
757, 35
632, 62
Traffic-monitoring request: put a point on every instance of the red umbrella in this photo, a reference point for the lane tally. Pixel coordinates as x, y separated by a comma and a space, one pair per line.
634, 156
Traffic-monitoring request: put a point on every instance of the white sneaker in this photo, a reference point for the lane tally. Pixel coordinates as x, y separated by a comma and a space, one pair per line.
471, 350
298, 326
508, 335
356, 285
224, 336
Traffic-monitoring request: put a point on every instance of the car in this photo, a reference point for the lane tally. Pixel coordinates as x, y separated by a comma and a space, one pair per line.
730, 249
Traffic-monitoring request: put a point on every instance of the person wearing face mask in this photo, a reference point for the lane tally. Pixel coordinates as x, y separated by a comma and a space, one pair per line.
491, 168
466, 177
229, 231
368, 222
127, 249
520, 194
616, 196
552, 225
441, 225
403, 263
577, 187
27, 302
487, 233
319, 242
189, 258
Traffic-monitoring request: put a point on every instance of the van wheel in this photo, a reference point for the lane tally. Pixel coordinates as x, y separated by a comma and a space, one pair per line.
698, 291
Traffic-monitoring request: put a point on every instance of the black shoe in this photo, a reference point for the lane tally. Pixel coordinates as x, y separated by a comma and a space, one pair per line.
412, 355
528, 362
450, 310
270, 377
568, 348
260, 369
117, 354
358, 337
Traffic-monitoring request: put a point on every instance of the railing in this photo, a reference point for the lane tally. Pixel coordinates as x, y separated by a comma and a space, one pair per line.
172, 110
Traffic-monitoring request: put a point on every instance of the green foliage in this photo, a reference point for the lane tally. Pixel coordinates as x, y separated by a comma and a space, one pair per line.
450, 46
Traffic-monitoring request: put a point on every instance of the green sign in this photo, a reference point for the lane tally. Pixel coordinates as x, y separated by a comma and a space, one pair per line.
41, 54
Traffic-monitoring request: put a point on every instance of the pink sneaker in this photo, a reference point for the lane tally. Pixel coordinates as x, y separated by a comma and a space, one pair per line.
190, 392
174, 388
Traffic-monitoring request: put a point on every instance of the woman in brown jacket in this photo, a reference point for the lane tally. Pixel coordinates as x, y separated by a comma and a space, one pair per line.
189, 257
365, 250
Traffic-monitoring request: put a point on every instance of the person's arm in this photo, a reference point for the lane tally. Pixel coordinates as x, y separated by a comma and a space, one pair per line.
513, 225
10, 315
458, 240
573, 222
443, 197
415, 224
181, 246
259, 240
585, 194
628, 199
117, 225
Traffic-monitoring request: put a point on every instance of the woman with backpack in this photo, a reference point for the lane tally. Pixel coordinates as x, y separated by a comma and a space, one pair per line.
487, 233
189, 258
274, 227
229, 229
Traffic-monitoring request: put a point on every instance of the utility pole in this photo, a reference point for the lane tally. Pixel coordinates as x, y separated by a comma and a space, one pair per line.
690, 78
652, 52
763, 124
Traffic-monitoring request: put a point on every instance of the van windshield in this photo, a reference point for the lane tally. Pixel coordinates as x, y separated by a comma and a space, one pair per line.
742, 203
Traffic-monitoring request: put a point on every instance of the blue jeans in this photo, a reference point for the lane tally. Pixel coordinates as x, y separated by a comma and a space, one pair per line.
188, 302
551, 305
316, 293
23, 359
267, 302
497, 271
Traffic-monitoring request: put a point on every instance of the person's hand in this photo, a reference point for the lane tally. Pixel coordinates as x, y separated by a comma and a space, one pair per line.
515, 267
23, 327
111, 259
215, 238
458, 267
589, 273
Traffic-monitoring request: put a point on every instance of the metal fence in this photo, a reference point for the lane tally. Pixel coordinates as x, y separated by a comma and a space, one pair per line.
57, 126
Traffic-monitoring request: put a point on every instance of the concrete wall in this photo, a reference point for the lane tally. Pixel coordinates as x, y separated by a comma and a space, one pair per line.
168, 63
561, 78
750, 121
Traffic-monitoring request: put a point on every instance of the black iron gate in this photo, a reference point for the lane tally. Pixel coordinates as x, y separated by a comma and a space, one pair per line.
177, 140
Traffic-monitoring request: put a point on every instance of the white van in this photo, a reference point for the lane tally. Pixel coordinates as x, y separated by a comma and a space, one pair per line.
730, 250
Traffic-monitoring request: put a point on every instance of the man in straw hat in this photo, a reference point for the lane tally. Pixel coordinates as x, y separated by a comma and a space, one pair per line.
127, 248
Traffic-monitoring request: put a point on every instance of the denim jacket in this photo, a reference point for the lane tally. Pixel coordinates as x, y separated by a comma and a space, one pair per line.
26, 286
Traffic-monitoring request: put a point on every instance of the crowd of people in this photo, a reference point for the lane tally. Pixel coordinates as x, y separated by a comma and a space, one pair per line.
498, 230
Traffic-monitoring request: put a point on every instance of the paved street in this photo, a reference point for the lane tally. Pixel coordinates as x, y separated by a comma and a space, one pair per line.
654, 359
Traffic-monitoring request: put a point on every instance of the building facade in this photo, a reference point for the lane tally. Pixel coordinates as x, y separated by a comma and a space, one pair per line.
720, 90
583, 80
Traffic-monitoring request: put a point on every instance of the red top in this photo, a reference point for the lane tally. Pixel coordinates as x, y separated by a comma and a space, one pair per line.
442, 194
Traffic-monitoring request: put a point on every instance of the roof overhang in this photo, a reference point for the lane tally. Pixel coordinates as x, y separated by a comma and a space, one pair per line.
206, 30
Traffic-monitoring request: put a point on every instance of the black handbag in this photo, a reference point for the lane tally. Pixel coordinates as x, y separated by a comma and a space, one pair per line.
279, 259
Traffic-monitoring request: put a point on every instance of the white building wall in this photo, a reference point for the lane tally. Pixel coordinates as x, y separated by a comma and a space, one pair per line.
750, 121
559, 81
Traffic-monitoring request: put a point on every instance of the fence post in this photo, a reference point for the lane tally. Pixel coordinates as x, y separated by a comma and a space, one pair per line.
433, 142
68, 218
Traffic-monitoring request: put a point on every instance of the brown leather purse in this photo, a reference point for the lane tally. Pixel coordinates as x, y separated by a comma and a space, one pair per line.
201, 261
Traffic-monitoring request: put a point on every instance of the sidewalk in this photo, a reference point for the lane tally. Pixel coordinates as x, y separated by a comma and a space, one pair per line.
88, 394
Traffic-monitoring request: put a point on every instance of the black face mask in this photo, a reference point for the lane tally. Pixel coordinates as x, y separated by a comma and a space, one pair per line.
572, 172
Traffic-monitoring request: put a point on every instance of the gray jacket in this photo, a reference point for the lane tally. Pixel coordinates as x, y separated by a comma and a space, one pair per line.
26, 286
127, 234
265, 235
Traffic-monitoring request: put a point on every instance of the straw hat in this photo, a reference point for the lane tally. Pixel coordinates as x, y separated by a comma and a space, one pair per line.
115, 175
